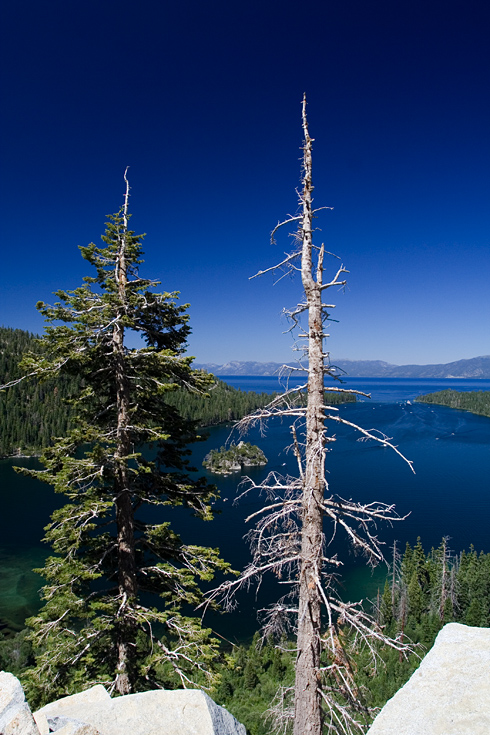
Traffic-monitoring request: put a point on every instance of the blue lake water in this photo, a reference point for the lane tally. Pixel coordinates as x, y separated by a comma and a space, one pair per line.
448, 495
380, 389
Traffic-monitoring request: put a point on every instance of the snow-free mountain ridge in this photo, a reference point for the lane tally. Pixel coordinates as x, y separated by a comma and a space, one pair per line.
475, 367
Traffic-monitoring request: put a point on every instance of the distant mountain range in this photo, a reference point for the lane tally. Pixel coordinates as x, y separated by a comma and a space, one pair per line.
476, 367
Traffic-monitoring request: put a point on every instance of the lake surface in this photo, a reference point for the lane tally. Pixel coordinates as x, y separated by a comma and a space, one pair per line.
448, 495
380, 389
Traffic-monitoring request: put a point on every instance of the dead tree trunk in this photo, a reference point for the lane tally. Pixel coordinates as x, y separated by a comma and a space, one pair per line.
307, 709
124, 509
288, 537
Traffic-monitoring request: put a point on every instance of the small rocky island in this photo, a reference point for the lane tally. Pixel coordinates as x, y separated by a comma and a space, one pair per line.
225, 461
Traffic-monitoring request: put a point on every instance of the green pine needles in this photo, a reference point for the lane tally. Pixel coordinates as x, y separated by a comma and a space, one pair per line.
121, 584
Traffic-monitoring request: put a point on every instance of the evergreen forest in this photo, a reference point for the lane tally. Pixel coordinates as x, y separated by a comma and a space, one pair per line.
30, 412
33, 412
476, 401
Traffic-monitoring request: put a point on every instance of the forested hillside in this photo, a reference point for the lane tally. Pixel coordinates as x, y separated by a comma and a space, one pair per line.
477, 401
30, 412
222, 403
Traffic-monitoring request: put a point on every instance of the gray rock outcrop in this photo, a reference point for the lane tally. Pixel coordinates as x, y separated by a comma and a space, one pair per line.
73, 707
93, 712
449, 694
70, 726
15, 715
158, 712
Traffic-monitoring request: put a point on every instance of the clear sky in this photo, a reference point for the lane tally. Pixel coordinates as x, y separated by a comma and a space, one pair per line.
202, 101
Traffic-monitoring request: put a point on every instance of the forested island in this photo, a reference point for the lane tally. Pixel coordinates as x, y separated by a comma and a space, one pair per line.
476, 401
224, 461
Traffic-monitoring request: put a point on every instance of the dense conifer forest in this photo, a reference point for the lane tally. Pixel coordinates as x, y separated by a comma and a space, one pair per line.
476, 401
30, 412
221, 404
224, 403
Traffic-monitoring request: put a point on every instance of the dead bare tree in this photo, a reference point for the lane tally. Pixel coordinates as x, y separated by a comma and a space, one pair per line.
288, 536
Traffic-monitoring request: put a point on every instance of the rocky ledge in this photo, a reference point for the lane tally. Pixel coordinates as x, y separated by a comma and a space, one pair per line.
94, 712
449, 694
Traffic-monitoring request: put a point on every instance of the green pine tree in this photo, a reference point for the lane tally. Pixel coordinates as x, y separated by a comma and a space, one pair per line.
121, 585
386, 608
407, 565
415, 598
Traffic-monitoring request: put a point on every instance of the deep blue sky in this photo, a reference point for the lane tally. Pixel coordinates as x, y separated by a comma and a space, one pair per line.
202, 101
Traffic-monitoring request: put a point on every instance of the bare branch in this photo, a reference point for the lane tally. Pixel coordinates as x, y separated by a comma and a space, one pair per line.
284, 262
370, 434
287, 221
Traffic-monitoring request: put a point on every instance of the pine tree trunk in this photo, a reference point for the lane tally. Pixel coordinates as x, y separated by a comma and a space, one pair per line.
307, 715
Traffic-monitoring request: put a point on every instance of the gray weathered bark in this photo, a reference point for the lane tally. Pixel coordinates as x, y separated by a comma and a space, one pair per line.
307, 709
124, 509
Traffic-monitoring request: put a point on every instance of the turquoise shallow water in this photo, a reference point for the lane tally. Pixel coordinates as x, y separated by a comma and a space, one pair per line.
448, 495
